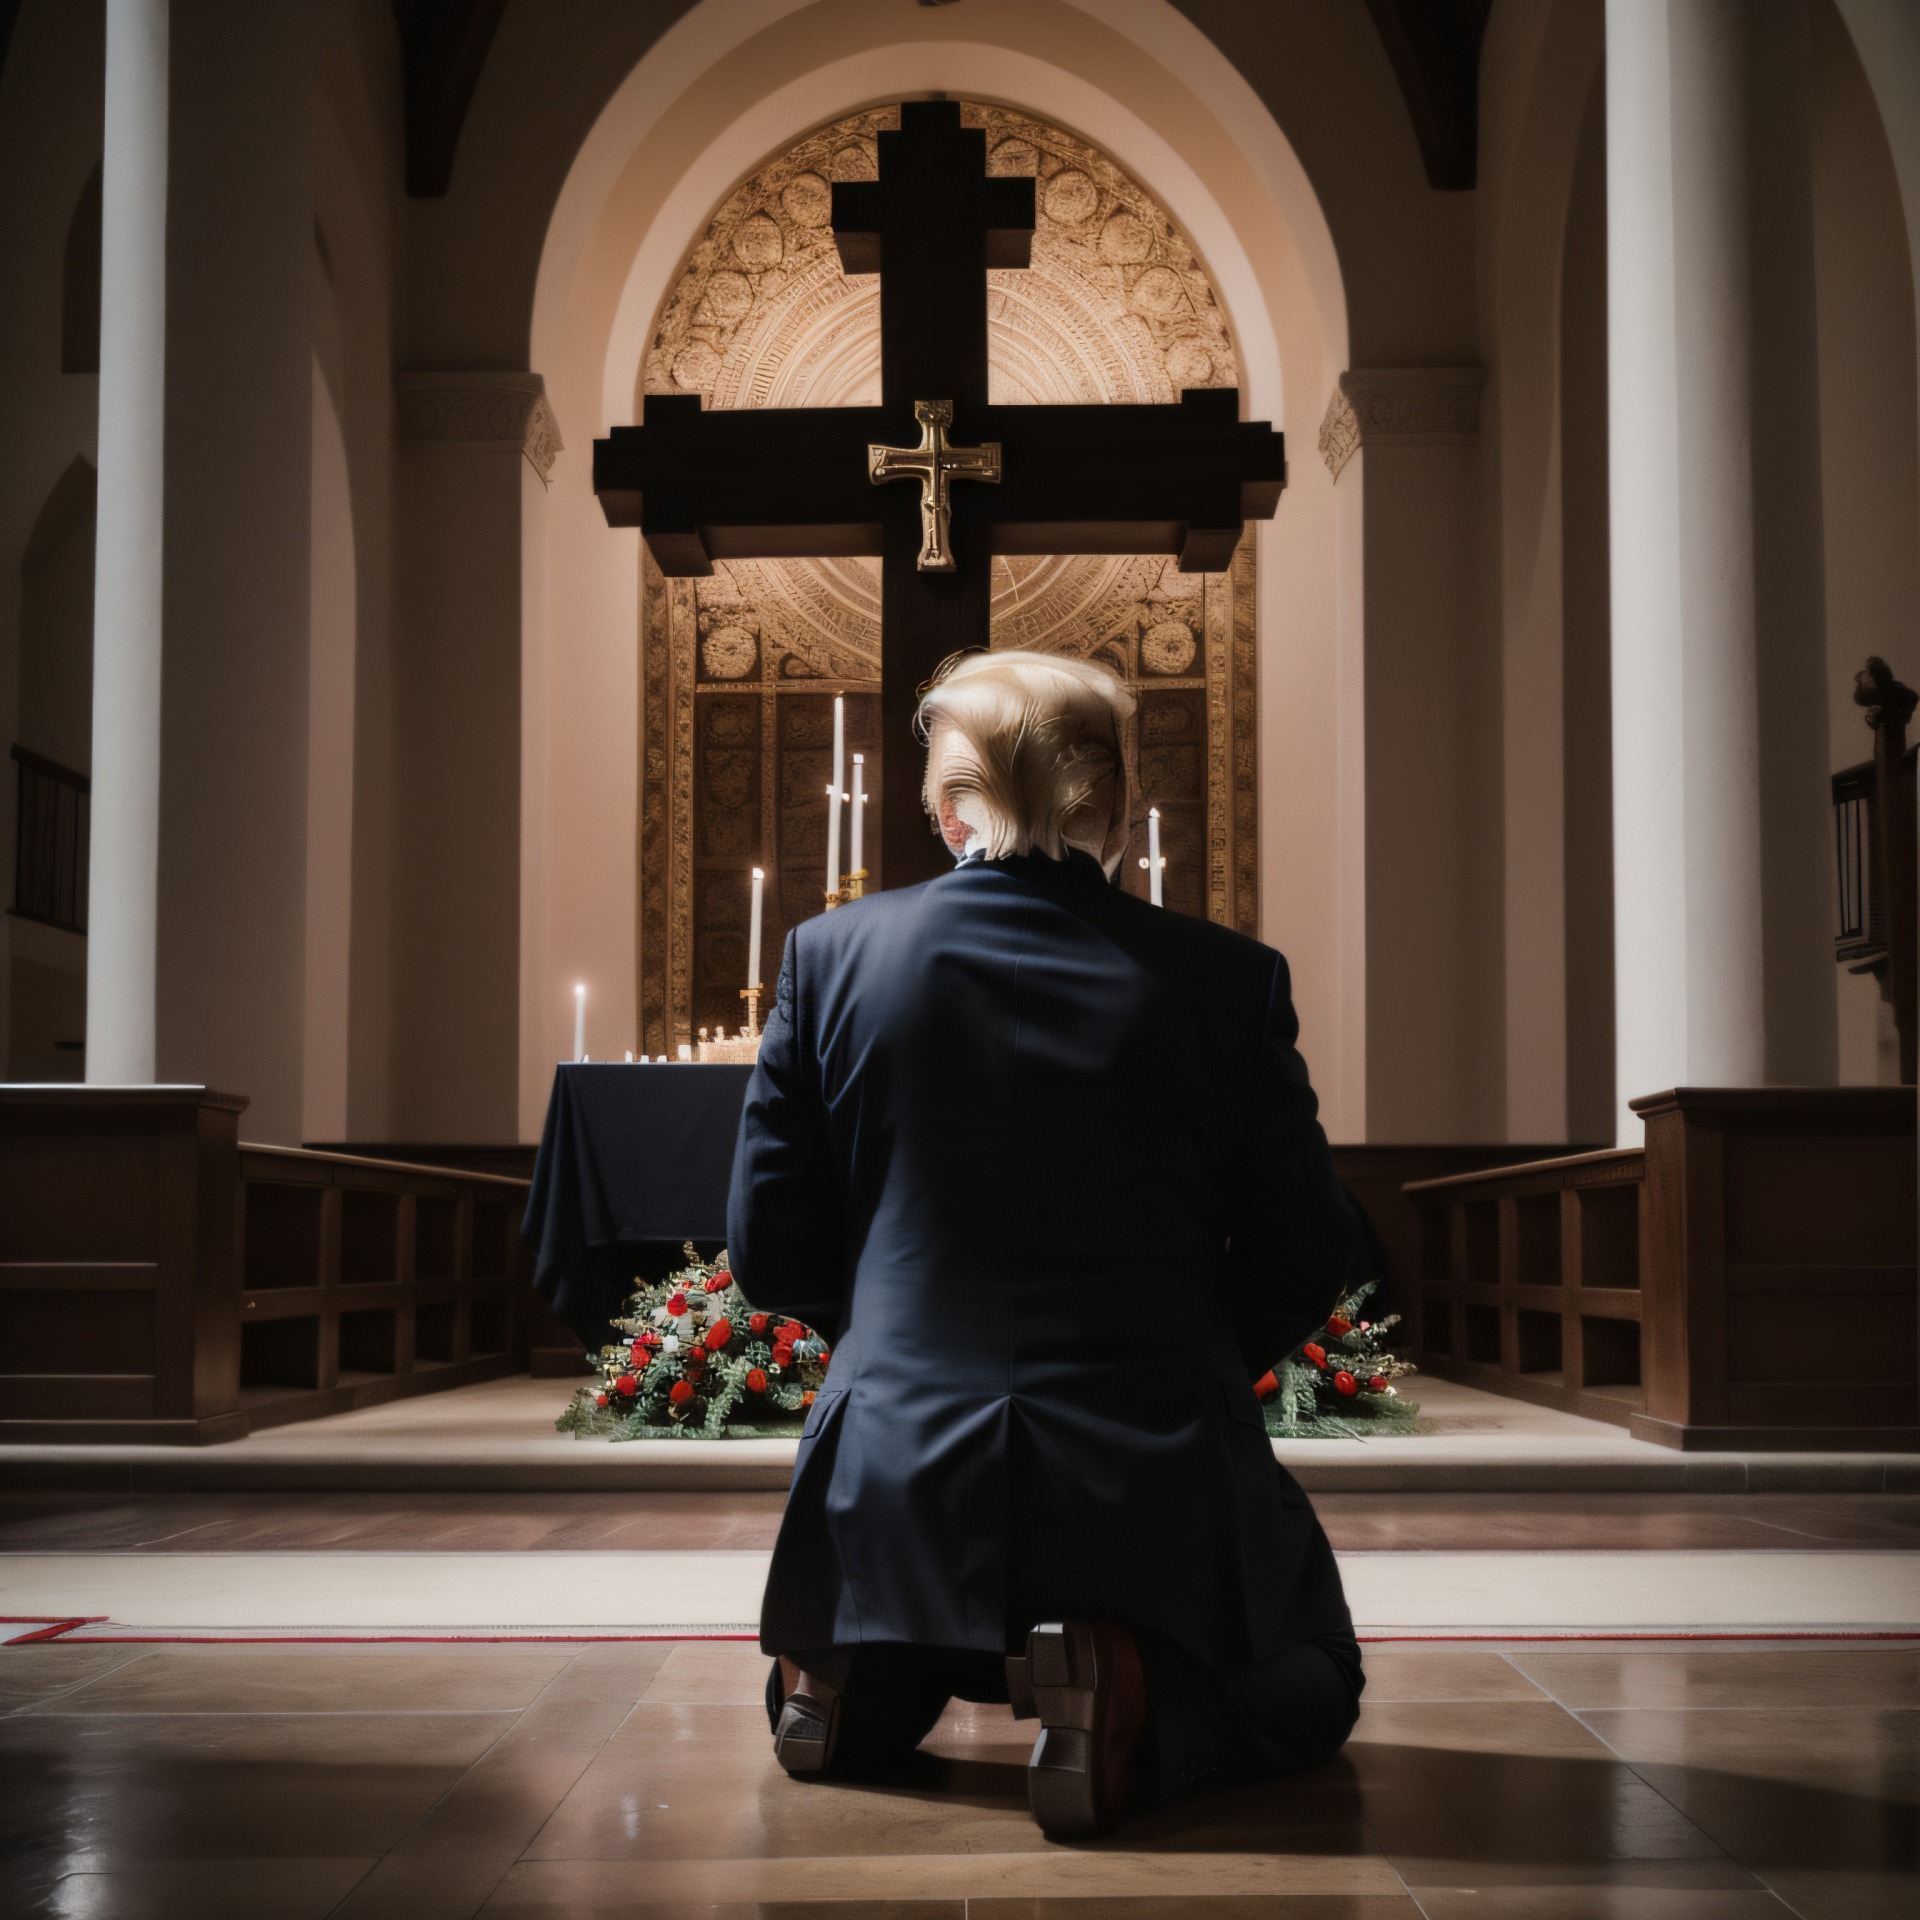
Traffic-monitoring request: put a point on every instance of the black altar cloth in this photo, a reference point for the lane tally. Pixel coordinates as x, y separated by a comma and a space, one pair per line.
628, 1155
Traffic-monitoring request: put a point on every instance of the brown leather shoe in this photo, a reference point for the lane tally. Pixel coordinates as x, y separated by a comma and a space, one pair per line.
809, 1725
1090, 1692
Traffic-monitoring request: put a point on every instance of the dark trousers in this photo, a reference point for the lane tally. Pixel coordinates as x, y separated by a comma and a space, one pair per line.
1206, 1726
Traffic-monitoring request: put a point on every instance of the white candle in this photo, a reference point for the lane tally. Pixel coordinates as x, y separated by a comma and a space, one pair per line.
753, 934
859, 808
833, 792
579, 1023
1155, 865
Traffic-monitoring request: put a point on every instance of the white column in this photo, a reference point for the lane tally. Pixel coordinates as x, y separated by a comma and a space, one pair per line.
1723, 956
125, 846
196, 958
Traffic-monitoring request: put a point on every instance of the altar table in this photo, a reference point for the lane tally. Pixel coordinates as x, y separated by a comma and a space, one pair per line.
632, 1158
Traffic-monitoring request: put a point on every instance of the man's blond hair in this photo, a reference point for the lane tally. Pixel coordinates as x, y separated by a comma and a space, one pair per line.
1017, 745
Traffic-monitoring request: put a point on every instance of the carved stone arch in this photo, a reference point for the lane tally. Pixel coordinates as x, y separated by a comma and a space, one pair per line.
738, 669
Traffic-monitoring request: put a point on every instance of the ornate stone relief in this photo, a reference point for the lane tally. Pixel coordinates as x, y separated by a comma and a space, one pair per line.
1114, 308
482, 409
1401, 407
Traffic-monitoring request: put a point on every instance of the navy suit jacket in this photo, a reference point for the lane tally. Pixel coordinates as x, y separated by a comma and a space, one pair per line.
1043, 1163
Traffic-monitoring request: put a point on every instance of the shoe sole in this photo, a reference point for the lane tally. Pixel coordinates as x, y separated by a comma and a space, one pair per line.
1063, 1688
807, 1732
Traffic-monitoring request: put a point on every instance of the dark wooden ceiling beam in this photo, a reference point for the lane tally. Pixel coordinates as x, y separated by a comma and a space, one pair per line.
1434, 46
443, 46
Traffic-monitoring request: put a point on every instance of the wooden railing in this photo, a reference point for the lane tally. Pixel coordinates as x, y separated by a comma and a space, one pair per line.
1745, 1280
1530, 1281
161, 1282
1874, 858
362, 1278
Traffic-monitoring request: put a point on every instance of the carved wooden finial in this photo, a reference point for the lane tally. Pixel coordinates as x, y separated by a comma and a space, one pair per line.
1887, 702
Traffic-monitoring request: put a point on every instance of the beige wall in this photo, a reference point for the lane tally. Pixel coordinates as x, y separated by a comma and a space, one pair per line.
1537, 73
239, 412
357, 307
1586, 617
1436, 1053
456, 756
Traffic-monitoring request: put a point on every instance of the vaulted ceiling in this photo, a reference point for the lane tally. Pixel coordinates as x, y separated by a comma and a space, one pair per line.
1434, 46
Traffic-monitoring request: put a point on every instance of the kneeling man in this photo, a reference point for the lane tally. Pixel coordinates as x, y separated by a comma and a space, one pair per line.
1042, 1162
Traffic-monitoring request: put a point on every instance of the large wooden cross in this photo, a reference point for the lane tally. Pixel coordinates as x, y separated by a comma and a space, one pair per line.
740, 484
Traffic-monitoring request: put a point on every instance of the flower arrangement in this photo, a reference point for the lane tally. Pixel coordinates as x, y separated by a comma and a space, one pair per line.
696, 1361
1339, 1386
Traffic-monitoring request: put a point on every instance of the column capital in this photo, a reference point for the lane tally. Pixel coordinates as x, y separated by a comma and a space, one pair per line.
1400, 407
482, 409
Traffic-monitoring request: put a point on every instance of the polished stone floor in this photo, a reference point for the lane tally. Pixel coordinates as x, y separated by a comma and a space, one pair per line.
566, 1522
1652, 1780
1656, 1779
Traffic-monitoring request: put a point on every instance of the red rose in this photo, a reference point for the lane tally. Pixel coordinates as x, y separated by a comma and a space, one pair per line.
719, 1282
719, 1334
1378, 1383
756, 1380
826, 1354
783, 1355
758, 1322
649, 1338
1318, 1355
806, 1399
599, 1399
680, 1392
1346, 1383
792, 1330
624, 1384
1266, 1387
1339, 1326
677, 1305
1366, 1326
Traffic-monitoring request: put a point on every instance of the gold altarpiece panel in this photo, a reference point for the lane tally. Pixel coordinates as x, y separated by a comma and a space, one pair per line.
739, 670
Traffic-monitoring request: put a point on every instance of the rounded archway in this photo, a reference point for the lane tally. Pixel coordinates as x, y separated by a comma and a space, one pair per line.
696, 119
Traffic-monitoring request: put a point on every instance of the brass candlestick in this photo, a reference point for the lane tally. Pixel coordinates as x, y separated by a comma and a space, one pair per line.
751, 995
837, 897
856, 888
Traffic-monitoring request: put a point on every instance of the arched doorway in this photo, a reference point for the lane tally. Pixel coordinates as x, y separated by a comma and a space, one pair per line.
740, 670
699, 115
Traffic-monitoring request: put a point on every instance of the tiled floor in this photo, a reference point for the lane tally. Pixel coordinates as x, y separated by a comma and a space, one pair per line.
1647, 1781
1652, 1781
535, 1522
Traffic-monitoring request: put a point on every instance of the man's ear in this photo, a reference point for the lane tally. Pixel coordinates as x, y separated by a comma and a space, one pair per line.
953, 830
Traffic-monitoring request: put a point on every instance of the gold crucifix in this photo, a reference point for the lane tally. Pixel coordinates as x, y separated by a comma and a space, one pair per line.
936, 466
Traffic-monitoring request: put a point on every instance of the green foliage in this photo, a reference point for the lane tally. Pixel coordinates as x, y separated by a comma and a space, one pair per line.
698, 1363
1339, 1385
